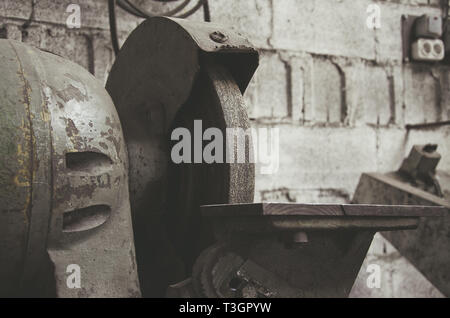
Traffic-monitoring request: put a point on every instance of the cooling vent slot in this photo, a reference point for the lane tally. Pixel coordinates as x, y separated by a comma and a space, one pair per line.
87, 161
85, 219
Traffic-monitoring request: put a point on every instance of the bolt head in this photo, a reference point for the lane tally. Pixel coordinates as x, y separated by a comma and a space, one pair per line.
218, 37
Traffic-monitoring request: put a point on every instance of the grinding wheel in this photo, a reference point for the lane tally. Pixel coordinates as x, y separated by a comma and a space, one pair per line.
169, 73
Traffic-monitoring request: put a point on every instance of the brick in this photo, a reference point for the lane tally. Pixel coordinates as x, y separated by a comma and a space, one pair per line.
421, 94
323, 27
391, 148
396, 72
15, 9
301, 86
377, 98
445, 92
300, 100
252, 18
321, 158
12, 32
70, 44
327, 91
374, 93
270, 98
354, 80
370, 94
317, 88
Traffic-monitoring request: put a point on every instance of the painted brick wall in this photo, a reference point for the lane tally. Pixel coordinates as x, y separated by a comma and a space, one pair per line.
337, 90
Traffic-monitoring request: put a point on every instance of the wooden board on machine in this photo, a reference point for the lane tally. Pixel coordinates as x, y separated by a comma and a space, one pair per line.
293, 217
301, 209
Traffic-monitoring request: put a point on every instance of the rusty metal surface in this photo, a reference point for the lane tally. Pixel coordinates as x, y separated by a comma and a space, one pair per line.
427, 248
69, 177
420, 168
319, 248
168, 73
16, 169
243, 266
233, 49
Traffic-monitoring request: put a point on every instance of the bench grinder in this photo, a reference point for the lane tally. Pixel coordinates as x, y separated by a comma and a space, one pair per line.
196, 228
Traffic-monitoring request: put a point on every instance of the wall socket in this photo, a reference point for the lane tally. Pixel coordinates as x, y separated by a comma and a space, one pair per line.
428, 26
421, 38
428, 50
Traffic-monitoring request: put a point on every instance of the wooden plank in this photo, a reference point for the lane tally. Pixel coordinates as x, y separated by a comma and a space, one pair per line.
378, 223
393, 210
260, 209
321, 210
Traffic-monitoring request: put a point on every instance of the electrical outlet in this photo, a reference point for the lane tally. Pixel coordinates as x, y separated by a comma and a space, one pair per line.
428, 26
428, 50
421, 38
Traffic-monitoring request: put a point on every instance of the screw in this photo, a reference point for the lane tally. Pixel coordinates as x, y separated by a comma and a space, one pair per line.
300, 237
218, 37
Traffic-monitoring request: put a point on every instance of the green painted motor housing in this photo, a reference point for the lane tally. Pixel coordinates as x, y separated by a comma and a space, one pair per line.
65, 223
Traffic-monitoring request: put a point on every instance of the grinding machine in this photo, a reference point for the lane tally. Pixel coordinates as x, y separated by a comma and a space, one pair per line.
196, 228
85, 183
64, 200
